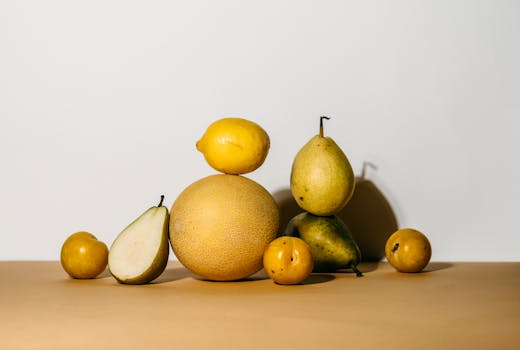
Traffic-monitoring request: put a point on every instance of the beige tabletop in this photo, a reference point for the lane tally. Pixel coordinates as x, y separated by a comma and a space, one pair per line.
450, 306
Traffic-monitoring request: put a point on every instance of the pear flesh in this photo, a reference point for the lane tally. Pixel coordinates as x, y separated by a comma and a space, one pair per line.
322, 179
139, 254
332, 245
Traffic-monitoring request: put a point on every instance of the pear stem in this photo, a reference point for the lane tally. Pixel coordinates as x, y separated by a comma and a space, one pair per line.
321, 124
355, 269
162, 198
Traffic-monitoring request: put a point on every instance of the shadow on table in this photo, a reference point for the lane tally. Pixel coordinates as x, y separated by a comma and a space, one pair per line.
364, 267
105, 274
184, 273
173, 274
318, 278
259, 276
262, 275
436, 266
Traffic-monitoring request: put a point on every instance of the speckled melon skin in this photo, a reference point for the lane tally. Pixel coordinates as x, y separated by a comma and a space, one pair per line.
220, 226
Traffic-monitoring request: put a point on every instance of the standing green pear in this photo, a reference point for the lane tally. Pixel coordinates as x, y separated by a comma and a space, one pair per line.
322, 179
332, 245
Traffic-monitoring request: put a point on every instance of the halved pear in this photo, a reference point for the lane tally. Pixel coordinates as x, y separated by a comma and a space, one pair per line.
139, 254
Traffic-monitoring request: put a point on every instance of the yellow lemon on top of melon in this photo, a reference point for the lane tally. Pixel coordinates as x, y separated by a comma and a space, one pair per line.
220, 226
234, 145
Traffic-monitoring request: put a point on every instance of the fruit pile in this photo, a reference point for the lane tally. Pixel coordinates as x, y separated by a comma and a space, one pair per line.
221, 224
322, 183
224, 226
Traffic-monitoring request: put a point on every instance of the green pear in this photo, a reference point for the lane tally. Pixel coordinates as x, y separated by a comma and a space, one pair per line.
139, 254
332, 245
322, 179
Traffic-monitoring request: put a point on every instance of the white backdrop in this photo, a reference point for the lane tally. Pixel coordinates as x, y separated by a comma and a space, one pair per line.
101, 103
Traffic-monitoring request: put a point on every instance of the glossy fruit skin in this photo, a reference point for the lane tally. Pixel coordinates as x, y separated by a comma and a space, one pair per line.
234, 145
83, 256
408, 250
332, 245
288, 260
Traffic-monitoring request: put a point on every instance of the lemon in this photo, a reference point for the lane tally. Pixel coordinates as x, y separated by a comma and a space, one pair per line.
220, 226
234, 145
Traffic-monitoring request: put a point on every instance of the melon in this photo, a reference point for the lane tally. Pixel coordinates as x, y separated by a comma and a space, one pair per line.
220, 226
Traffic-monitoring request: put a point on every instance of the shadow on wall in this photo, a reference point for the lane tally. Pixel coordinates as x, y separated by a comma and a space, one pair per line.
288, 207
368, 215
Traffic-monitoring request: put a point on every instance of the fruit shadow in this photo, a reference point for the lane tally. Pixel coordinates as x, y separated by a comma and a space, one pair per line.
171, 274
368, 215
437, 266
259, 276
262, 275
105, 274
363, 267
370, 218
316, 278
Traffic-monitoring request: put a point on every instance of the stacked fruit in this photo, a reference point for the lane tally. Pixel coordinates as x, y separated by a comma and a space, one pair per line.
220, 225
322, 183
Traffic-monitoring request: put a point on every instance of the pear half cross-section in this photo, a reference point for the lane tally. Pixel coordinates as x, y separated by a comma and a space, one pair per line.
139, 254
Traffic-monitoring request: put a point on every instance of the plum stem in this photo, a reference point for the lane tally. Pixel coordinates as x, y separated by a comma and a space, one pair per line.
321, 124
162, 198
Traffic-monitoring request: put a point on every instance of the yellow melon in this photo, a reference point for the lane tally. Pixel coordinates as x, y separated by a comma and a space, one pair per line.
220, 226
